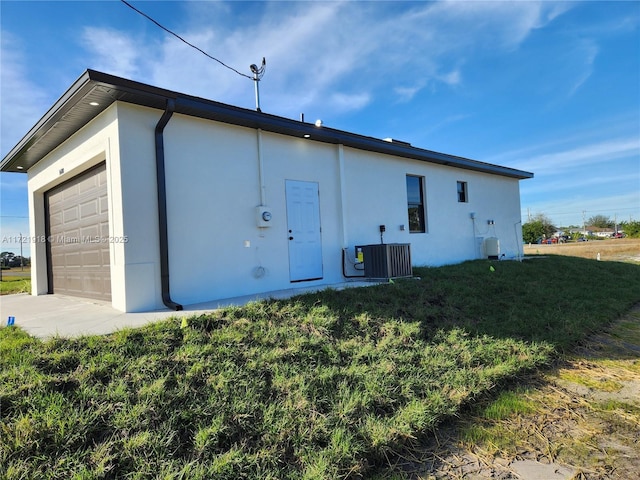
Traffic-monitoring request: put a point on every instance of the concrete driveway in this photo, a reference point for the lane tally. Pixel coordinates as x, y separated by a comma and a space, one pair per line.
50, 315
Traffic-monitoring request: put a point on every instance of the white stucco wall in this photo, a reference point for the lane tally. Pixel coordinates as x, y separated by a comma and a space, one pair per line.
376, 195
139, 209
95, 143
213, 188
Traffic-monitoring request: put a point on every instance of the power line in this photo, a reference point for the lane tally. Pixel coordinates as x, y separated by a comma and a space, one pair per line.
183, 40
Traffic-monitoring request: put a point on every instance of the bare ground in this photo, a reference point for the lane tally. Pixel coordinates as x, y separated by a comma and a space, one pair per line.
584, 422
618, 250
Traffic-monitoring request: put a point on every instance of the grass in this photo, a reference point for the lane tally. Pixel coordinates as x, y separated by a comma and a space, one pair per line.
550, 415
605, 385
12, 284
325, 385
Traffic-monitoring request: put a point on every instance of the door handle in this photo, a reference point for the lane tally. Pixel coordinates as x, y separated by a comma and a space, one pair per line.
290, 238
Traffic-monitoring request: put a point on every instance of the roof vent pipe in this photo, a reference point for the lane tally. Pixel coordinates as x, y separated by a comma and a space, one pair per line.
162, 206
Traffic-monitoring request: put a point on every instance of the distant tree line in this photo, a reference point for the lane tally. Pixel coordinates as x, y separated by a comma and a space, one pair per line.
540, 226
9, 259
631, 229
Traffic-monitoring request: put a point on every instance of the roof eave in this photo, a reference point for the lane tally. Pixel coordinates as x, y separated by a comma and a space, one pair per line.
71, 112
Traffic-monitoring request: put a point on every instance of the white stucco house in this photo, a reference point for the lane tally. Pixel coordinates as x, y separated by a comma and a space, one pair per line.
148, 198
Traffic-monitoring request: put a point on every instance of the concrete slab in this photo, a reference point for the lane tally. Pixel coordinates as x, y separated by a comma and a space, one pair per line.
59, 315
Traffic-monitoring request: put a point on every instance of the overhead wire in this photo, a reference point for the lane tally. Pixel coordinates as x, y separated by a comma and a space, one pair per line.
183, 40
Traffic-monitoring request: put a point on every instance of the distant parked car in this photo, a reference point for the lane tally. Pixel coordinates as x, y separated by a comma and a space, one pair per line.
582, 239
618, 235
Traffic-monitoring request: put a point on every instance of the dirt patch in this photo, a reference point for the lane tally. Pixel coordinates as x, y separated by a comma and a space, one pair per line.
617, 250
583, 421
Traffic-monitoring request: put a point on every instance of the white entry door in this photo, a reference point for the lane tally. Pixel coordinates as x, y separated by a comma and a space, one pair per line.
303, 224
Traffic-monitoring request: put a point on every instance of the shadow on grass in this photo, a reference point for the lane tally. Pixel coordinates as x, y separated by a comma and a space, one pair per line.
575, 413
555, 299
323, 385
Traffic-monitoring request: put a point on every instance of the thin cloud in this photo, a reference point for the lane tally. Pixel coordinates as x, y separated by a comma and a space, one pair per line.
113, 51
451, 78
447, 121
314, 49
406, 94
23, 102
12, 182
625, 206
601, 129
502, 25
565, 183
345, 102
589, 53
584, 155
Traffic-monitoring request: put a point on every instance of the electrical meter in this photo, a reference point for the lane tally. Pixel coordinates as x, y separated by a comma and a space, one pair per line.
263, 216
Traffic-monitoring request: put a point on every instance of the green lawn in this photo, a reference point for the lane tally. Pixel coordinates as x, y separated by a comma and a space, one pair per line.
12, 284
325, 385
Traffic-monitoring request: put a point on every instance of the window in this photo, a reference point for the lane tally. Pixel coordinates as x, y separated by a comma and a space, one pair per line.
462, 192
415, 204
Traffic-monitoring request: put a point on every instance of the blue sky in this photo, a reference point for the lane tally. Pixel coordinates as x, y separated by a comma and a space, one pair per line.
548, 87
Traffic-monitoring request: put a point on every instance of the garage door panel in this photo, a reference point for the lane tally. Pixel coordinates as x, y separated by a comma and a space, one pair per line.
69, 193
73, 259
58, 259
55, 220
87, 186
92, 258
78, 214
104, 206
90, 232
104, 229
70, 215
89, 209
93, 283
72, 283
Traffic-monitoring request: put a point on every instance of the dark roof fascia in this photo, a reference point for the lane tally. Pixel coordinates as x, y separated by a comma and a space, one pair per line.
45, 123
107, 89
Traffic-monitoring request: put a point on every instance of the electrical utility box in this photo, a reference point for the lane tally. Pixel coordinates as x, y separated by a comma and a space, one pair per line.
386, 260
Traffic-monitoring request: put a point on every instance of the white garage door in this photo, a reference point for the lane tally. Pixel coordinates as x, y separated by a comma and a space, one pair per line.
78, 233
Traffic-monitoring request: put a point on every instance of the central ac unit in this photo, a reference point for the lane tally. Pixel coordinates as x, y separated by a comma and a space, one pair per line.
386, 260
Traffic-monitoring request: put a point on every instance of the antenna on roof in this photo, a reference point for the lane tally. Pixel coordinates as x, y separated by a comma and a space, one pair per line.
258, 73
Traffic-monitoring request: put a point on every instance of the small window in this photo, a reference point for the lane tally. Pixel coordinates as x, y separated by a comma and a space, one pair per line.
415, 204
462, 192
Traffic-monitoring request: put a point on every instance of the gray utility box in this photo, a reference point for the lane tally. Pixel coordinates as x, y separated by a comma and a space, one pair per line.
387, 260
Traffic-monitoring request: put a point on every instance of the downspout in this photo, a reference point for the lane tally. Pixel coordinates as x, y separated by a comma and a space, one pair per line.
162, 206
